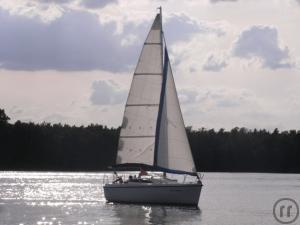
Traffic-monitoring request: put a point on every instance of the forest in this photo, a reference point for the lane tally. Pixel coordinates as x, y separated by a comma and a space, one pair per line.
57, 147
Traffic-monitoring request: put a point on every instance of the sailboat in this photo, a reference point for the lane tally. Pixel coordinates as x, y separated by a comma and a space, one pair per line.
153, 135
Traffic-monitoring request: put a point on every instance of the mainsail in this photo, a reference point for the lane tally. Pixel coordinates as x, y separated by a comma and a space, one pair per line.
137, 137
153, 132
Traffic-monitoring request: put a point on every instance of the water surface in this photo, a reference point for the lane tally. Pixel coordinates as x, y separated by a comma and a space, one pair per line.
77, 198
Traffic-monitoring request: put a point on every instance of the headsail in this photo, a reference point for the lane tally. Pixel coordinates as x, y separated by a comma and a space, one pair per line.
137, 137
173, 150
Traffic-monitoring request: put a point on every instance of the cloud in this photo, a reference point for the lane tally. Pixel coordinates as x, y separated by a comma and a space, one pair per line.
55, 1
216, 97
214, 64
180, 27
55, 118
189, 40
224, 107
187, 96
129, 40
44, 10
15, 111
217, 1
97, 3
225, 97
75, 41
262, 42
107, 93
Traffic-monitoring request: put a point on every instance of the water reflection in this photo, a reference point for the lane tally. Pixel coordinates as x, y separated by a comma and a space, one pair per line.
77, 198
163, 215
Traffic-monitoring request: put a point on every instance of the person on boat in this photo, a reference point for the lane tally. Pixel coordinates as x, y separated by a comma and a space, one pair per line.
130, 178
118, 180
142, 173
133, 179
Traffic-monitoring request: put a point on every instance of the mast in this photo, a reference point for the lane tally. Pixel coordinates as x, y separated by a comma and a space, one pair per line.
162, 94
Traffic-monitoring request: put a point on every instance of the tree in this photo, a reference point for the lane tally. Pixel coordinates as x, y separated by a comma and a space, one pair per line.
3, 117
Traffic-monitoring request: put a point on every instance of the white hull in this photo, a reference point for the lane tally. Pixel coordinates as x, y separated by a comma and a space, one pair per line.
149, 193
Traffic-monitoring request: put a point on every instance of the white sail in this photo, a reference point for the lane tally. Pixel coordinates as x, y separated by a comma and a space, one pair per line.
174, 151
137, 137
153, 131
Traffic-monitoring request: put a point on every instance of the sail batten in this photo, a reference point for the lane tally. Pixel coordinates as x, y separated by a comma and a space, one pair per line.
128, 105
145, 136
147, 74
152, 43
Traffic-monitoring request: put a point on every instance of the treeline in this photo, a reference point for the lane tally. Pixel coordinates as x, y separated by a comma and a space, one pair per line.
243, 150
56, 147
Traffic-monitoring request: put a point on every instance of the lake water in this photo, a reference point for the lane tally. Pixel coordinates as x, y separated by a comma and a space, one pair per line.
77, 198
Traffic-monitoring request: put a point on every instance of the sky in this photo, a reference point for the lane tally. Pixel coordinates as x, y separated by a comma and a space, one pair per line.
236, 62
